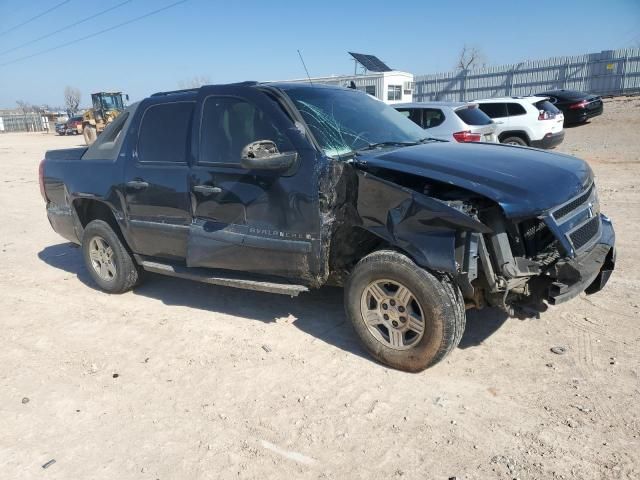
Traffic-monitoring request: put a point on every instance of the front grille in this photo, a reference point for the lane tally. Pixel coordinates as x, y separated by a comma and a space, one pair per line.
573, 204
582, 236
576, 223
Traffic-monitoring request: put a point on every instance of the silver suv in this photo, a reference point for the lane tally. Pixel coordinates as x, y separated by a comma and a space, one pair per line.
459, 121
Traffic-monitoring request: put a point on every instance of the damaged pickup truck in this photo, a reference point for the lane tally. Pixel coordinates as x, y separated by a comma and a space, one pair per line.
286, 187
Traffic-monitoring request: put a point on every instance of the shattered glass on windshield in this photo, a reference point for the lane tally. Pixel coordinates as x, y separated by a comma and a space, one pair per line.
335, 138
344, 121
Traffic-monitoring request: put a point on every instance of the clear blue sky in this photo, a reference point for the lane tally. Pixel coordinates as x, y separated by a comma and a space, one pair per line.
251, 40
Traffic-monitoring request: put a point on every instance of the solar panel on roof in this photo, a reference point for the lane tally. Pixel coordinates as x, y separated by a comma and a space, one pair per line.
370, 62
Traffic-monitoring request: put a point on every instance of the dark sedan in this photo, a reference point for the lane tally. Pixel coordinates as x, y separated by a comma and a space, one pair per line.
578, 107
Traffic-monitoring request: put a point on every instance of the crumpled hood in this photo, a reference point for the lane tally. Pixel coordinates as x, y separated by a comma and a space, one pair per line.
524, 181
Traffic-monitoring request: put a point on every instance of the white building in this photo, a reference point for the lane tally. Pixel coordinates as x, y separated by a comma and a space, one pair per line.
390, 87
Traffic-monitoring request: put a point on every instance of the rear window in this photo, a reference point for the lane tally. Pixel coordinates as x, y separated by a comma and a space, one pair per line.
164, 133
108, 144
570, 94
547, 106
494, 110
472, 115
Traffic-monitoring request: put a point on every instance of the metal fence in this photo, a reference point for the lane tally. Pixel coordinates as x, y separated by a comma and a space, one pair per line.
610, 72
30, 122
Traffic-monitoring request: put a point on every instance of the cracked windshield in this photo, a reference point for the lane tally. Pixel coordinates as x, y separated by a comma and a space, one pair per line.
345, 121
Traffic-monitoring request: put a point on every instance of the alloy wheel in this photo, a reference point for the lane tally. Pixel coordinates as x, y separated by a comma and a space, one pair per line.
392, 314
101, 256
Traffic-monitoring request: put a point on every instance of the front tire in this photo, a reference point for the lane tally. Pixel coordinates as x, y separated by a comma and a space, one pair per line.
90, 134
406, 317
109, 263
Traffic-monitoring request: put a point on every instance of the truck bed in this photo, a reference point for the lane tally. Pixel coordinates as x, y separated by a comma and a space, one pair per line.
65, 154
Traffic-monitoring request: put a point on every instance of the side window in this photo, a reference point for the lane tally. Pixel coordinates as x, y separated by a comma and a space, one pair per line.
164, 133
515, 109
414, 114
494, 110
229, 124
433, 117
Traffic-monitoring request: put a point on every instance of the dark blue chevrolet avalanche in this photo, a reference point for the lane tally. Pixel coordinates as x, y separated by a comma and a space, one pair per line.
285, 187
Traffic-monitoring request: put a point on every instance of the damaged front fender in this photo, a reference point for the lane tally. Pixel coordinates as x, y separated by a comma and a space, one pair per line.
422, 226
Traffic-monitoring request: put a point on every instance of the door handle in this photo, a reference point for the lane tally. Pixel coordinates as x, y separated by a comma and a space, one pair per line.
137, 184
206, 189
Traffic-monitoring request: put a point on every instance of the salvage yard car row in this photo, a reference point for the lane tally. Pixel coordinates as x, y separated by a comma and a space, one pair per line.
533, 121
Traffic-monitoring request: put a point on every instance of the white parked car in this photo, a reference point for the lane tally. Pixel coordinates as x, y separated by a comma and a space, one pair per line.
528, 121
459, 121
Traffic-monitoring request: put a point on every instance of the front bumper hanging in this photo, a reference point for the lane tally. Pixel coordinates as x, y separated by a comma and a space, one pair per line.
588, 272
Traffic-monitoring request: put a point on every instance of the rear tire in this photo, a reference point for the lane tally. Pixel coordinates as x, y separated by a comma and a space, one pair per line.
514, 141
425, 314
109, 263
90, 134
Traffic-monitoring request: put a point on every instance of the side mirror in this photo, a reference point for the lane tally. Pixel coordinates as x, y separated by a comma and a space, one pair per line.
264, 155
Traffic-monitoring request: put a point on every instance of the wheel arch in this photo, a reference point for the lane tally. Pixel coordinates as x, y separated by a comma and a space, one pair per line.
422, 227
88, 209
515, 133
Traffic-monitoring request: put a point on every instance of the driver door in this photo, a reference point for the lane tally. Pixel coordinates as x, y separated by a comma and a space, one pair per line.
259, 221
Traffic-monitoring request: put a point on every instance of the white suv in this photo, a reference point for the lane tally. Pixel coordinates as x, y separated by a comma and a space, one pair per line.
459, 121
528, 121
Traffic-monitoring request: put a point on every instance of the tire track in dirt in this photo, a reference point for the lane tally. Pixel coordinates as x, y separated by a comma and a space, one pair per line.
588, 368
586, 324
604, 408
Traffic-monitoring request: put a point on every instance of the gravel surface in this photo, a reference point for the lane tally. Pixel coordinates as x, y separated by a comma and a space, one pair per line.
178, 380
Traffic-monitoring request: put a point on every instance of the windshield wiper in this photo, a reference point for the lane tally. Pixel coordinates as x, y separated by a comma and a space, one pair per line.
373, 146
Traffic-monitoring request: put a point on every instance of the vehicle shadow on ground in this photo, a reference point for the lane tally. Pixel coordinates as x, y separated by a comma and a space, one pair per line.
576, 125
481, 324
319, 313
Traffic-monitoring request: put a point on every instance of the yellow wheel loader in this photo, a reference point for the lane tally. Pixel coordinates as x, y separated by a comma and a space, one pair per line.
106, 107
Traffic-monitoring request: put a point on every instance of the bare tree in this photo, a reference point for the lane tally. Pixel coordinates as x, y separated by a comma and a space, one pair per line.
470, 58
195, 82
24, 107
72, 98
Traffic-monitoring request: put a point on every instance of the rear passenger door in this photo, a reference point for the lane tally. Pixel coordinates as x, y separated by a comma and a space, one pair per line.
517, 116
156, 180
260, 221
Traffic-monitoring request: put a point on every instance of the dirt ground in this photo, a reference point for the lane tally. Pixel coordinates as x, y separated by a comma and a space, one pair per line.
178, 380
